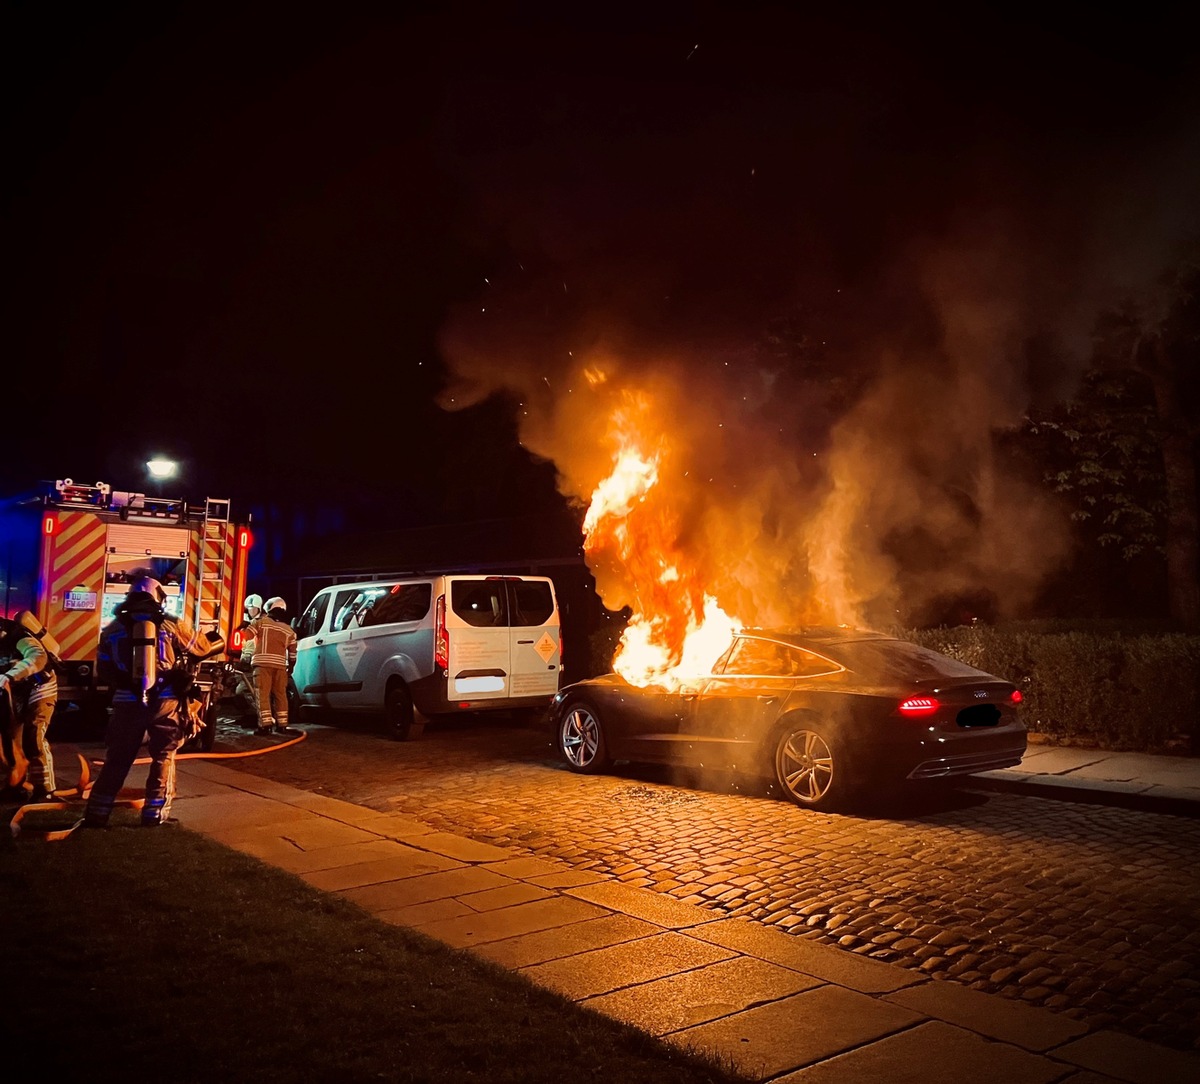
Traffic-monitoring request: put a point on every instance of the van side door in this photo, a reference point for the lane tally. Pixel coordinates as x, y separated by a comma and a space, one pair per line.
309, 629
340, 673
534, 638
477, 623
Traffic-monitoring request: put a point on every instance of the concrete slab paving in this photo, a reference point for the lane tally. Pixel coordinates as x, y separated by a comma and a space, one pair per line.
447, 884
466, 850
309, 834
526, 869
695, 997
349, 854
641, 903
421, 913
554, 944
487, 926
1129, 1059
995, 1017
796, 1031
932, 1053
822, 961
508, 896
603, 970
407, 862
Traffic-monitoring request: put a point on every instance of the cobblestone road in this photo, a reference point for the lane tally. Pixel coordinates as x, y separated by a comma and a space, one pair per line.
1086, 910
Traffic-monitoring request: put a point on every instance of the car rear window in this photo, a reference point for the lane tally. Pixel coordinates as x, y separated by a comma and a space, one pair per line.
900, 659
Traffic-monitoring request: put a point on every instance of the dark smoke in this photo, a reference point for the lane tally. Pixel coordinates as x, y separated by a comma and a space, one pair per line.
822, 255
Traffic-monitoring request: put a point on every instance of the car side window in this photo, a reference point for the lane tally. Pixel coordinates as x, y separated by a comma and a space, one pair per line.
479, 602
532, 602
806, 664
763, 658
314, 617
399, 602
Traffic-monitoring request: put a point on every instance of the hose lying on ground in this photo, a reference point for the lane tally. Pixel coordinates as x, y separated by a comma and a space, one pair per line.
127, 797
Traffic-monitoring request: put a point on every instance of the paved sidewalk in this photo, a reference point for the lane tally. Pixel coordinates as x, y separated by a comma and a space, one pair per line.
1161, 784
780, 1008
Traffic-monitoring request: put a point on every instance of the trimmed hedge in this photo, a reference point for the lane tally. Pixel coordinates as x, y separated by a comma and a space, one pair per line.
1134, 692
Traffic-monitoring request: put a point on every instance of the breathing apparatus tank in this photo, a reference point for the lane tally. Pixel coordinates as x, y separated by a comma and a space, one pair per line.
145, 615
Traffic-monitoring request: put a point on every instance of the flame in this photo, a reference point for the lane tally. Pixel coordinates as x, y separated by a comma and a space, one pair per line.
677, 630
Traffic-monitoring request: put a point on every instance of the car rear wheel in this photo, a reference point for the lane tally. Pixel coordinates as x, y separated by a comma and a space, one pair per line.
809, 767
581, 739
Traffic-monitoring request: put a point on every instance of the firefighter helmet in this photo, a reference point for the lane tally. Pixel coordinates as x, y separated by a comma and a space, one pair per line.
150, 586
253, 602
276, 603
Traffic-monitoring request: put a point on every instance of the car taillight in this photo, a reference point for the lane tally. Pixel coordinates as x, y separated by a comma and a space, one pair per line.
441, 638
1016, 697
919, 705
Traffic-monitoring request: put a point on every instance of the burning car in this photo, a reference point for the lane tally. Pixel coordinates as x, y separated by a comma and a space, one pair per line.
828, 713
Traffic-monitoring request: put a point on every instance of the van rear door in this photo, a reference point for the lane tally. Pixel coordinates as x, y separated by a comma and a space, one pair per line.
534, 637
477, 623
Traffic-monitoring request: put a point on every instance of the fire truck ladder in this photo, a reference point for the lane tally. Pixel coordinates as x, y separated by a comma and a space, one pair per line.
214, 553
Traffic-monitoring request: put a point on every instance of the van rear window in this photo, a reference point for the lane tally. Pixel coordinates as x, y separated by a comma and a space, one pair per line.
533, 602
479, 602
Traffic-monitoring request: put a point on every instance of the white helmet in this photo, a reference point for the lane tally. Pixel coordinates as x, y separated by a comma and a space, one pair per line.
150, 586
253, 602
275, 603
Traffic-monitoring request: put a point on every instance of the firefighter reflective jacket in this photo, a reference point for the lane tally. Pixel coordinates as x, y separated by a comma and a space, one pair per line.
30, 668
274, 643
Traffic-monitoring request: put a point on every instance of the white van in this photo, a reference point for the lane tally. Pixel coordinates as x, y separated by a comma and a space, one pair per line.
440, 643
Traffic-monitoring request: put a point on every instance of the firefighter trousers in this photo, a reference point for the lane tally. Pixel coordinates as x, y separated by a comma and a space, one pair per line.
131, 722
271, 684
35, 721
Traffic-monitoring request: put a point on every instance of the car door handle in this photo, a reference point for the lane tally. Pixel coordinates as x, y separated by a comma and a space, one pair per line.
524, 641
320, 640
763, 699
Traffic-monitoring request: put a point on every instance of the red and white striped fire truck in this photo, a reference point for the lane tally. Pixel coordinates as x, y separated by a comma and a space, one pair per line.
69, 552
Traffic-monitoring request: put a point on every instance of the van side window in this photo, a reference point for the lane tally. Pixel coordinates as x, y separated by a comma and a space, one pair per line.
479, 602
314, 617
532, 602
400, 602
346, 605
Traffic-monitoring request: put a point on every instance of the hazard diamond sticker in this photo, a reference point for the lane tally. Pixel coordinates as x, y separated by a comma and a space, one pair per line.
546, 647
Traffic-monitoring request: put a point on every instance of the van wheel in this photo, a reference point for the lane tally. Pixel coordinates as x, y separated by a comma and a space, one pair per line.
398, 709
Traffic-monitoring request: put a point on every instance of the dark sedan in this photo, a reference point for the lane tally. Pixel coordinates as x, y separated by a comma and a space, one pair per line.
826, 712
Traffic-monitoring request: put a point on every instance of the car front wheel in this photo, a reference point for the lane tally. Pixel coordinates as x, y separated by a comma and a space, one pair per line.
581, 739
809, 767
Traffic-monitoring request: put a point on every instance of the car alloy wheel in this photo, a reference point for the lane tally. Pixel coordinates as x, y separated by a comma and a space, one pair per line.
805, 767
581, 739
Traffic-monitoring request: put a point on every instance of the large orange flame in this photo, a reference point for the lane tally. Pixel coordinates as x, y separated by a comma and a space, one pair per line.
676, 629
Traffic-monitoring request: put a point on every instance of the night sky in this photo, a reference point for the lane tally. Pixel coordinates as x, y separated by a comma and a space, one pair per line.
257, 241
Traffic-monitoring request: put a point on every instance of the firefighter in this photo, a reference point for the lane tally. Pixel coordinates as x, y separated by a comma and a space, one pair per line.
272, 660
252, 610
142, 655
29, 685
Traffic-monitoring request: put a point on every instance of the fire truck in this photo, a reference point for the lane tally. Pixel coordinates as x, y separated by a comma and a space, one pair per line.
69, 553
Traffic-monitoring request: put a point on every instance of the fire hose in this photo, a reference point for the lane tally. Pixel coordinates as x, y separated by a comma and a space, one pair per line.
128, 796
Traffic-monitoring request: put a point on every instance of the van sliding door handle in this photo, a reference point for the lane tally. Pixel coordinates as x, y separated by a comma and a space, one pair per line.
320, 640
524, 641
